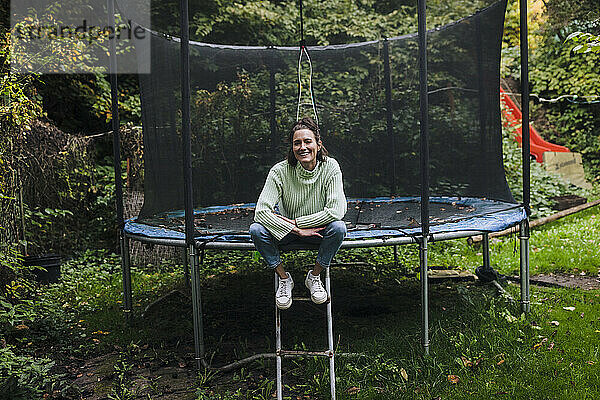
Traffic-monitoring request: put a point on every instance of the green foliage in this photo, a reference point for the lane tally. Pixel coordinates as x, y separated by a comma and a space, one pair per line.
559, 72
584, 42
562, 13
326, 22
23, 320
20, 105
569, 245
129, 99
544, 184
24, 377
511, 56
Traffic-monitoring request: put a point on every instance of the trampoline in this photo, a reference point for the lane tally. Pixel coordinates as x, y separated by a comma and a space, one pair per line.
371, 222
413, 121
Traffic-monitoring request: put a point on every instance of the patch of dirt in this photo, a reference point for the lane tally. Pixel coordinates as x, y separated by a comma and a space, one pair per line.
147, 378
585, 282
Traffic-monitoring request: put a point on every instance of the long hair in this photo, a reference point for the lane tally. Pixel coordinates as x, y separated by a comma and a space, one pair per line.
311, 125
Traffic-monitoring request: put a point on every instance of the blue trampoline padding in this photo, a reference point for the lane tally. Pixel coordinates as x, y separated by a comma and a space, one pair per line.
491, 216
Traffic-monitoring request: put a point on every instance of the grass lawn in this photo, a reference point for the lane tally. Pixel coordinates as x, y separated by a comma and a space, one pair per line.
481, 346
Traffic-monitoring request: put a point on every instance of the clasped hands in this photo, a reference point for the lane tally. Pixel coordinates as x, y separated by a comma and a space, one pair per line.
303, 232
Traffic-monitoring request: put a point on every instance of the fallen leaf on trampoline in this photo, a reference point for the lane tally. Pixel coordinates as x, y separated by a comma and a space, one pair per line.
454, 379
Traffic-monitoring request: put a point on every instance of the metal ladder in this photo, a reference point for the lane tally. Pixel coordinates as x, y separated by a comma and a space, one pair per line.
280, 353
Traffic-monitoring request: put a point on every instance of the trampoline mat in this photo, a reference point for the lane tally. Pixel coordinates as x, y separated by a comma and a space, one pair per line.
365, 218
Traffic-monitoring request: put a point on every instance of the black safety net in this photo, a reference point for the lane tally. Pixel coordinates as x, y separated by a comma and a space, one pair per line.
244, 101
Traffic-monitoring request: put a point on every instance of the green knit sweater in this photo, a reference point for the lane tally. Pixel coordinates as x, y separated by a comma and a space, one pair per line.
313, 198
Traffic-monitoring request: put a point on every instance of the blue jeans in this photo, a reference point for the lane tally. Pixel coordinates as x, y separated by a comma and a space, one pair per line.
268, 247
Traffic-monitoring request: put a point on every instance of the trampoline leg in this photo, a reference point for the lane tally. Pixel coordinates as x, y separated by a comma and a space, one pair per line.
278, 345
186, 268
330, 335
486, 252
524, 238
424, 295
395, 256
126, 268
197, 308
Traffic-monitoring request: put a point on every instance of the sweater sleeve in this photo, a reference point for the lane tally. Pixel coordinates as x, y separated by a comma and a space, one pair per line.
264, 212
335, 205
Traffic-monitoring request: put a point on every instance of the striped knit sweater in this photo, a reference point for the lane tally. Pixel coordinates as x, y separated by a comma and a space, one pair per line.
312, 198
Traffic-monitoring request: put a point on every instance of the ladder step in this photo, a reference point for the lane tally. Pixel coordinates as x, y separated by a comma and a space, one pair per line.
309, 299
300, 353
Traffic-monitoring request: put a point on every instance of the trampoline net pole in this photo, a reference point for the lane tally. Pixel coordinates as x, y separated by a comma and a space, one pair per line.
424, 117
186, 124
424, 128
388, 113
486, 251
272, 102
424, 295
524, 261
123, 241
524, 227
525, 106
115, 118
197, 308
126, 268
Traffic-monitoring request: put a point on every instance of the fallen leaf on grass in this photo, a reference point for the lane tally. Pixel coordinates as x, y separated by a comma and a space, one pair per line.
454, 379
538, 345
404, 374
466, 362
21, 327
569, 308
590, 362
353, 390
500, 362
555, 323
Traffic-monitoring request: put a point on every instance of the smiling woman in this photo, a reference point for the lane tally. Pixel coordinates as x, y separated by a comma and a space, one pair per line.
308, 192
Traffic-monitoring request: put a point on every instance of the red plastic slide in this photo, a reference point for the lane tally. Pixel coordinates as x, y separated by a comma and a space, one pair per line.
513, 118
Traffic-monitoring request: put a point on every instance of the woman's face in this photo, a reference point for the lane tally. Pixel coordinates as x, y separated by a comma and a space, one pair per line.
305, 147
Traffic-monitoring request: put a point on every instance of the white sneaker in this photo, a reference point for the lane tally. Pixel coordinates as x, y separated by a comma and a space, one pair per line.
283, 296
318, 294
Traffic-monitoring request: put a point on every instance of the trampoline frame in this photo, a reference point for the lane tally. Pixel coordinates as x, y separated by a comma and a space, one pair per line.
192, 246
